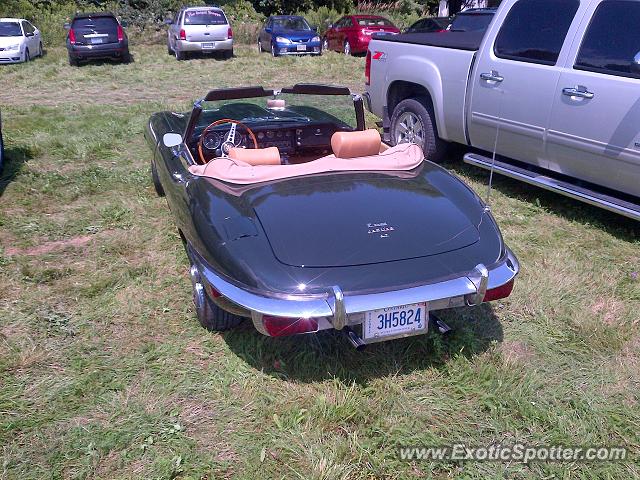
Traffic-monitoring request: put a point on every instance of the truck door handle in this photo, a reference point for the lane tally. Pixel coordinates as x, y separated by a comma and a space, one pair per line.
491, 77
578, 91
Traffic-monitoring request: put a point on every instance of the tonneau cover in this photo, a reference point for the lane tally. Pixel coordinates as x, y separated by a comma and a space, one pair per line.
458, 40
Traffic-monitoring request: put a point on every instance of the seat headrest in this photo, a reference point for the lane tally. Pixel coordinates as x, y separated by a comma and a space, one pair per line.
356, 144
256, 156
275, 103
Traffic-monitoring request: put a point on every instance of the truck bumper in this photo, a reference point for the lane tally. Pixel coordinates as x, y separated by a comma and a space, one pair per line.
212, 46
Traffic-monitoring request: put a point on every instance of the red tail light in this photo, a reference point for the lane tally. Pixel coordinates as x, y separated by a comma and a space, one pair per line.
230, 33
367, 68
120, 33
72, 36
281, 327
183, 34
499, 292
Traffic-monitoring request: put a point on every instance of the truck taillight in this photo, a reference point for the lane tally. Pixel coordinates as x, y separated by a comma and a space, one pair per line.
282, 326
497, 293
367, 68
72, 36
183, 34
120, 33
230, 33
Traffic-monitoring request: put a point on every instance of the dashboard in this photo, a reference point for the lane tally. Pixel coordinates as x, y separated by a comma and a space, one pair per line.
291, 141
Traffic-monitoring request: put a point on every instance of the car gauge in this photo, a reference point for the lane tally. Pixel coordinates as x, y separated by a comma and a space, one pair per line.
212, 141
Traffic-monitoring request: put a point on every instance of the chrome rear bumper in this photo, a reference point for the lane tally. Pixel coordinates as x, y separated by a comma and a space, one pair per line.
337, 310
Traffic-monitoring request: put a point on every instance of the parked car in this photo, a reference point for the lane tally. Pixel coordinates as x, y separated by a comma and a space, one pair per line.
352, 33
472, 20
289, 35
430, 24
199, 30
575, 133
297, 219
20, 41
95, 36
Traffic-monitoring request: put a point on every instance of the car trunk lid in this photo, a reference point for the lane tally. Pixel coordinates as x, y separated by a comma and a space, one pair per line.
373, 220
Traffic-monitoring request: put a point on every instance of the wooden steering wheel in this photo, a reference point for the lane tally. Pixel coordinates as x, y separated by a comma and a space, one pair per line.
229, 140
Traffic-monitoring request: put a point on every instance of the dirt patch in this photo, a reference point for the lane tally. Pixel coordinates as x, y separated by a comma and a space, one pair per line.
516, 352
608, 310
48, 247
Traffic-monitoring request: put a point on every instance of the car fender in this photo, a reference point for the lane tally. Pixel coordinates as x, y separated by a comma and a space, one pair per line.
424, 73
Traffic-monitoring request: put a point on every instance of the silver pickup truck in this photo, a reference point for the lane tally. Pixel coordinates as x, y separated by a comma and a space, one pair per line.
553, 87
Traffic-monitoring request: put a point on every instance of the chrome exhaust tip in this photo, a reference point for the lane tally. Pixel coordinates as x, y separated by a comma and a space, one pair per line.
354, 338
442, 327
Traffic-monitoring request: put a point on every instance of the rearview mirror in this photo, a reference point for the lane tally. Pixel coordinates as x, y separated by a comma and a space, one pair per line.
635, 65
67, 26
29, 34
171, 140
168, 21
268, 30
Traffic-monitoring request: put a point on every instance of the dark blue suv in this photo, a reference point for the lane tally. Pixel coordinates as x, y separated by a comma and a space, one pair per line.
289, 35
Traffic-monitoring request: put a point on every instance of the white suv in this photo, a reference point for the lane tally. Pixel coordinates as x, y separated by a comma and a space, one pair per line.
199, 29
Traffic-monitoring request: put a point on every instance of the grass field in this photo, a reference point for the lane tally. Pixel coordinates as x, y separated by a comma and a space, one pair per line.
105, 372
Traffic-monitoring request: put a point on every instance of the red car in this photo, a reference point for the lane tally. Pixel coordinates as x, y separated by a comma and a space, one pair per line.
352, 33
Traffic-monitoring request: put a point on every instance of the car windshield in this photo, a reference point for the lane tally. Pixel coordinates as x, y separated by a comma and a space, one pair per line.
10, 29
204, 17
374, 22
298, 109
471, 22
291, 23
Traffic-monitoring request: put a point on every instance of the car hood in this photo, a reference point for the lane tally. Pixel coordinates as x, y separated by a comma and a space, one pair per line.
340, 221
6, 41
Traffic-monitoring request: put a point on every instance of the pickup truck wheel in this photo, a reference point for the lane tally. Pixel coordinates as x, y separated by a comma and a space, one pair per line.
412, 122
210, 316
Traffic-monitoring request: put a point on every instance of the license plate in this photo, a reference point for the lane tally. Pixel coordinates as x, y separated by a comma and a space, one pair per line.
395, 321
209, 45
301, 48
95, 40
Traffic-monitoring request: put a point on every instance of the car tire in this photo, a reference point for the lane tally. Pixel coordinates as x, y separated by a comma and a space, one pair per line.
413, 121
40, 50
73, 62
1, 149
27, 57
169, 51
126, 57
325, 45
180, 56
228, 54
346, 49
210, 315
274, 53
156, 180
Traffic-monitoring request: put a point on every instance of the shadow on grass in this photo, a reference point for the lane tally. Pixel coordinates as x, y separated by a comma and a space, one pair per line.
328, 354
617, 225
14, 160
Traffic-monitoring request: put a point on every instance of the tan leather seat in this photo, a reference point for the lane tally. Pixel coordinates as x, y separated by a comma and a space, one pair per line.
256, 156
356, 144
275, 103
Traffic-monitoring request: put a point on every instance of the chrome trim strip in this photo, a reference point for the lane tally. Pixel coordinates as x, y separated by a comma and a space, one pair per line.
342, 310
556, 186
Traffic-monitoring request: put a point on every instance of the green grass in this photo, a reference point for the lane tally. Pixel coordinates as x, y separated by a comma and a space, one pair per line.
105, 372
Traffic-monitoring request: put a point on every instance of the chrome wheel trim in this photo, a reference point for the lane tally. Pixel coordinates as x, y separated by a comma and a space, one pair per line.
259, 46
273, 50
347, 48
325, 45
409, 129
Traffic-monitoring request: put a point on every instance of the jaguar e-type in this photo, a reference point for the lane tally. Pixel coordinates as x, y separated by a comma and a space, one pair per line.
297, 218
